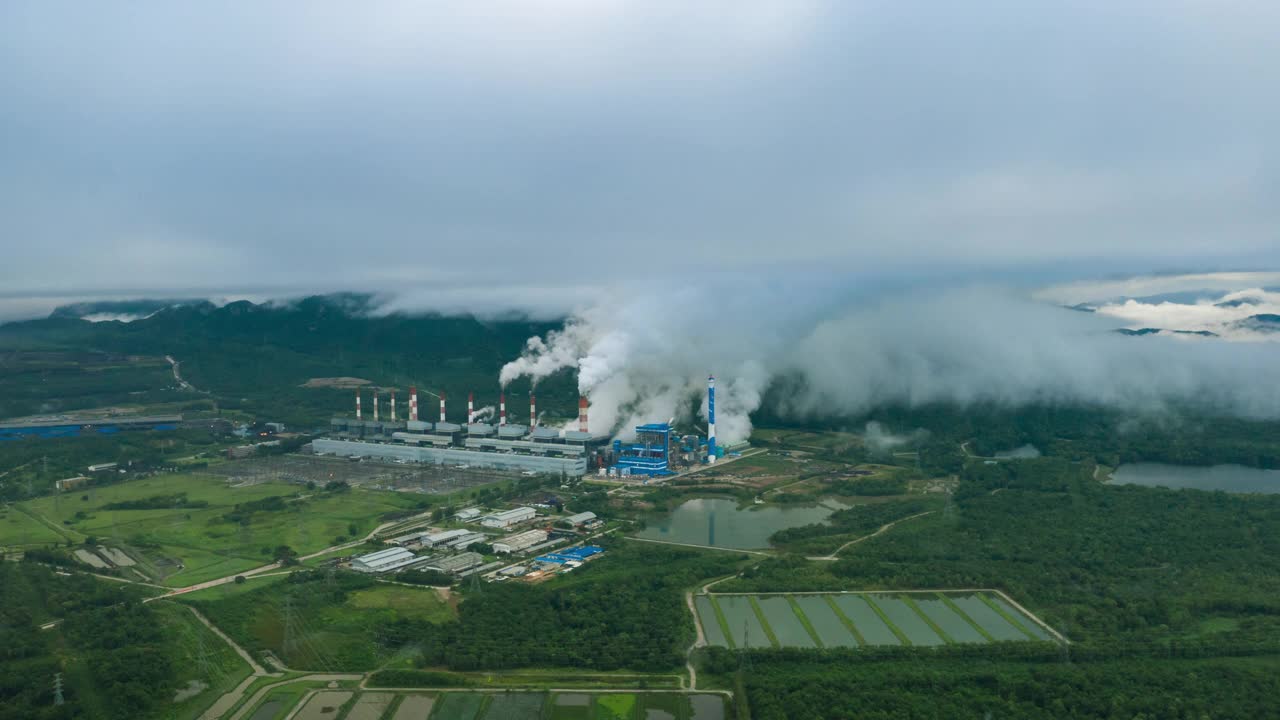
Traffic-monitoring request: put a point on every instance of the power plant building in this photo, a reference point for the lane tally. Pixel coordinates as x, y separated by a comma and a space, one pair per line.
430, 540
519, 541
507, 518
544, 458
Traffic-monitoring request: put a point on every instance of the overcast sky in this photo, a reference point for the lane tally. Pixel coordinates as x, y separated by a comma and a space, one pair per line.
540, 146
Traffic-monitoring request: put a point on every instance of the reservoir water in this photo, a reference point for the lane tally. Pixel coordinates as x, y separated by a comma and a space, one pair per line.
1228, 478
721, 522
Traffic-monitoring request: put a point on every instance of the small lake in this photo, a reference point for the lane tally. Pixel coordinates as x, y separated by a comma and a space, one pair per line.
1228, 478
721, 522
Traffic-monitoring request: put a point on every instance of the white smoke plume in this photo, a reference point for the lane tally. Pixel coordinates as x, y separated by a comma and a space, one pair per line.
643, 357
484, 413
881, 441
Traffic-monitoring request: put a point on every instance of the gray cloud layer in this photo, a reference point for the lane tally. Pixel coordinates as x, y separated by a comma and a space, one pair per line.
532, 147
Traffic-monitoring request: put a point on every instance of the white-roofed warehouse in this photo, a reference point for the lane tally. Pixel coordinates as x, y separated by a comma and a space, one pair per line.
519, 541
384, 560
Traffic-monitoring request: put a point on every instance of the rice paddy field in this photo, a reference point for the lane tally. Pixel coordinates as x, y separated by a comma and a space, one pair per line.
821, 620
463, 705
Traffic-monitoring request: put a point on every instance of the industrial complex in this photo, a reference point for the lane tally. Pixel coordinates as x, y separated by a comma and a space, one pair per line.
656, 450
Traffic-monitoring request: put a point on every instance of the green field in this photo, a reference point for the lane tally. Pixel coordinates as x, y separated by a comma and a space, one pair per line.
202, 540
852, 619
416, 603
17, 529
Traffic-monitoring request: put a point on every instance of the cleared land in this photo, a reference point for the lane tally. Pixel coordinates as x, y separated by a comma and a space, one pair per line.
414, 477
414, 707
324, 705
925, 619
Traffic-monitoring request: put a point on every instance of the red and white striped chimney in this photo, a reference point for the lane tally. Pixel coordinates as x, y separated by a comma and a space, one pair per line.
502, 408
471, 407
357, 404
375, 406
413, 402
393, 406
533, 411
442, 406
582, 413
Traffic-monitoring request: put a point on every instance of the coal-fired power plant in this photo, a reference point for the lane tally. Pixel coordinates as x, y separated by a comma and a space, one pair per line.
656, 451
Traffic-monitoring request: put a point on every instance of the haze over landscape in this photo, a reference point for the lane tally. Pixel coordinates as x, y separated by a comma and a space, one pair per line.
990, 293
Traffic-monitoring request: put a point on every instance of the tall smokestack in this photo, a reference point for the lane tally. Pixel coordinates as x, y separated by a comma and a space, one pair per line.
358, 405
471, 407
413, 402
711, 418
533, 411
502, 408
393, 406
442, 406
375, 406
582, 414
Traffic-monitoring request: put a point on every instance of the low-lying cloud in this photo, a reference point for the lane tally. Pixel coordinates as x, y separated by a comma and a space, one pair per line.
645, 357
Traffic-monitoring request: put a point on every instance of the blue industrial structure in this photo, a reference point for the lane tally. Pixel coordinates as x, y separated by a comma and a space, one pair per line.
711, 418
649, 454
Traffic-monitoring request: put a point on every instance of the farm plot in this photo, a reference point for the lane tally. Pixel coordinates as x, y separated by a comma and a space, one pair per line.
370, 706
744, 627
990, 620
903, 617
706, 707
615, 706
571, 706
458, 706
919, 618
785, 624
515, 706
324, 705
873, 629
828, 625
659, 706
414, 707
956, 627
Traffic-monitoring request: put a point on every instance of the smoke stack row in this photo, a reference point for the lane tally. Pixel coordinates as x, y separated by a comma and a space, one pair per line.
533, 411
582, 414
442, 406
393, 406
413, 403
358, 415
471, 407
502, 409
375, 406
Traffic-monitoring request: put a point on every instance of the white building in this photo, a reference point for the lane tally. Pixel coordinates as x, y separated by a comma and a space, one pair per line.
455, 563
467, 540
507, 518
581, 518
435, 539
519, 541
384, 560
466, 514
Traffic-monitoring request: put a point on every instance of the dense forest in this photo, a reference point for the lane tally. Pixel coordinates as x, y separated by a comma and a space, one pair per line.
791, 688
110, 648
255, 357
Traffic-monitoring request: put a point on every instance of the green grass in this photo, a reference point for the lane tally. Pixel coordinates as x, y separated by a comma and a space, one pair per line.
18, 529
764, 623
956, 609
615, 706
902, 637
831, 602
206, 545
804, 620
906, 600
1009, 618
416, 603
723, 622
231, 589
207, 658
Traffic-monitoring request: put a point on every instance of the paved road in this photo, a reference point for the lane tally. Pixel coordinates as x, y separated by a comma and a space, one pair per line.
700, 547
